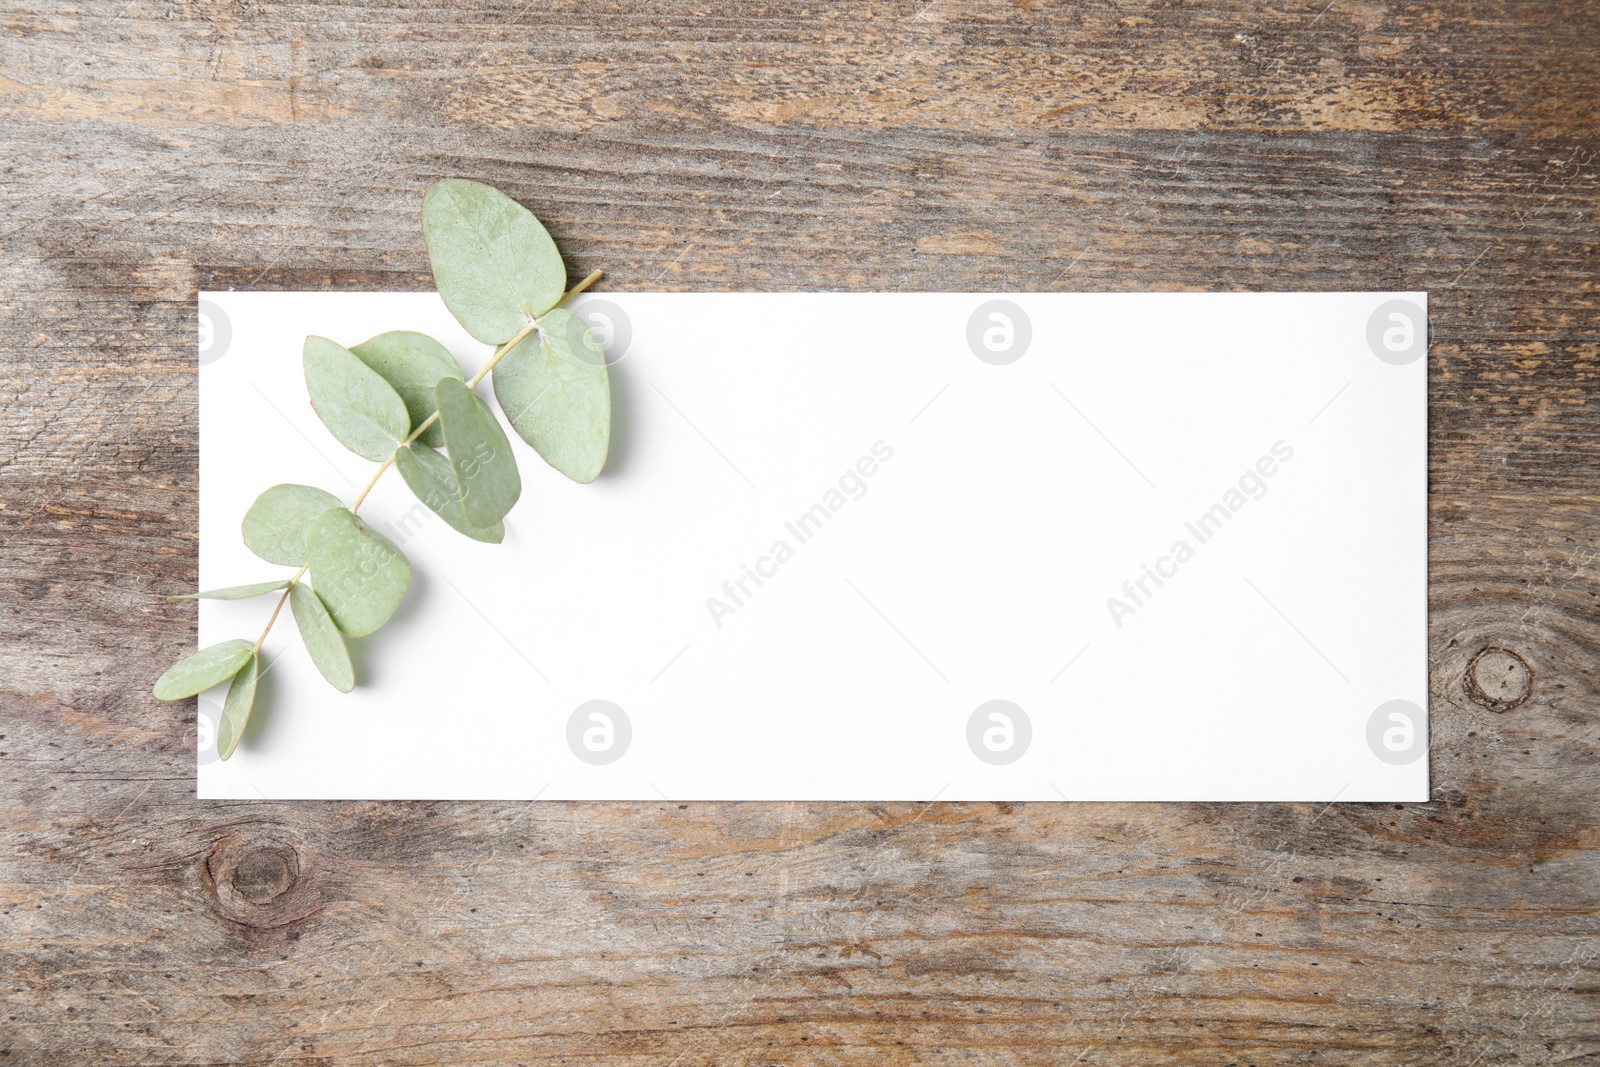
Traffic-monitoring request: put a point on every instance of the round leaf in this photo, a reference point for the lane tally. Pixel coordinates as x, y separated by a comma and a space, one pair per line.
555, 391
430, 477
233, 592
353, 401
485, 471
493, 263
276, 524
359, 575
322, 638
411, 362
210, 666
236, 708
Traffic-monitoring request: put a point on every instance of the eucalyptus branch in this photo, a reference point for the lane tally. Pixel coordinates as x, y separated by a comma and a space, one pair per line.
499, 354
397, 399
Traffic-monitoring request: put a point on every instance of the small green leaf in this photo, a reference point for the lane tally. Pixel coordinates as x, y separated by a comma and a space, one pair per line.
485, 470
276, 524
359, 575
493, 262
430, 477
236, 708
554, 389
353, 401
210, 666
322, 638
233, 592
411, 362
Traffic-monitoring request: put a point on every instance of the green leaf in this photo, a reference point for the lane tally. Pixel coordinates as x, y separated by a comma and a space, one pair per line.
493, 263
354, 402
411, 362
485, 470
276, 524
359, 575
233, 592
210, 666
322, 638
554, 389
430, 477
236, 708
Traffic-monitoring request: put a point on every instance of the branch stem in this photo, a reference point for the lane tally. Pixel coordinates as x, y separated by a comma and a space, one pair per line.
500, 353
286, 591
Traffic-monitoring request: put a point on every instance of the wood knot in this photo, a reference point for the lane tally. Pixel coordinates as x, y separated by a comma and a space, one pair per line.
259, 882
1499, 679
265, 873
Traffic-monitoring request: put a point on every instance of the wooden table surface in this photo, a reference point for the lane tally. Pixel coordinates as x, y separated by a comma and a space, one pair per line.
152, 149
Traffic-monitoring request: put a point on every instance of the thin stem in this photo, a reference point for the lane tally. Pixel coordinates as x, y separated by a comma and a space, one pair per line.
500, 353
472, 382
385, 466
593, 277
286, 591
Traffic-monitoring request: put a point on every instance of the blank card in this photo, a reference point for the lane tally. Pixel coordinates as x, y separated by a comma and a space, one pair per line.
887, 546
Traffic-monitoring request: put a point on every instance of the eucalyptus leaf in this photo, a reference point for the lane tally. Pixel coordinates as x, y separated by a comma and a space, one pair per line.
432, 479
276, 524
211, 666
411, 362
233, 592
359, 575
555, 391
322, 638
236, 708
354, 402
493, 262
480, 455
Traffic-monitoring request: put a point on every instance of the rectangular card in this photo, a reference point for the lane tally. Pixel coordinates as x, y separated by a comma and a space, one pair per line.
886, 546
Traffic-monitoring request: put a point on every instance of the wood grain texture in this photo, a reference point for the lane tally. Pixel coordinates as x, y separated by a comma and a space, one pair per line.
155, 148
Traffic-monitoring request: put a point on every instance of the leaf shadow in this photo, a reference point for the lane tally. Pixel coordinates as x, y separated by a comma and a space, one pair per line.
622, 396
258, 729
360, 660
412, 606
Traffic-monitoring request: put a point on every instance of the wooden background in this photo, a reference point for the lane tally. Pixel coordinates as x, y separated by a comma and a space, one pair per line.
156, 147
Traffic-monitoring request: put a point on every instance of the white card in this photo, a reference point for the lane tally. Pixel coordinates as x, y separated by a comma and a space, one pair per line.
889, 546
